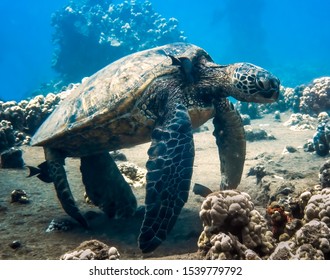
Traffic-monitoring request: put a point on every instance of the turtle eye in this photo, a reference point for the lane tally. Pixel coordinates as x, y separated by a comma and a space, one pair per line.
263, 83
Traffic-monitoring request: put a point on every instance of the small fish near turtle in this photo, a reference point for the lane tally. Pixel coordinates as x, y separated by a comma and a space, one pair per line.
158, 95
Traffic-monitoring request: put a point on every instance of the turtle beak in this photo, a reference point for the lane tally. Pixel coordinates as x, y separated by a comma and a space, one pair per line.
269, 87
275, 95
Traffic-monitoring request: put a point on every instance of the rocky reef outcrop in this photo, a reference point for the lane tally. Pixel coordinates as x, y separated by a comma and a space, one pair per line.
233, 228
91, 34
306, 233
20, 120
294, 227
316, 97
321, 138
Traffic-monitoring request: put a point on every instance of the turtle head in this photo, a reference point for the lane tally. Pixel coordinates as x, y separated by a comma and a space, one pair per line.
251, 83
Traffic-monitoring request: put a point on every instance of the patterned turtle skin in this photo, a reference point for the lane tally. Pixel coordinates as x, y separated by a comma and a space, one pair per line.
156, 95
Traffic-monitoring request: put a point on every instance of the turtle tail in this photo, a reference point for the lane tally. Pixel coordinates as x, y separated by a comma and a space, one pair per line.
41, 171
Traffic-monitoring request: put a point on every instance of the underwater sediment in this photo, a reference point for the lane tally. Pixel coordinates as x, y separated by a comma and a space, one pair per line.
284, 221
281, 214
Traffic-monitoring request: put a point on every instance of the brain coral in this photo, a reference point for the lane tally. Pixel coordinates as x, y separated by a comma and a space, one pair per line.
233, 229
318, 207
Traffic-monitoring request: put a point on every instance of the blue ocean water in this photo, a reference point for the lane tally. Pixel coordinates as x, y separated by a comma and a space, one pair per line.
290, 38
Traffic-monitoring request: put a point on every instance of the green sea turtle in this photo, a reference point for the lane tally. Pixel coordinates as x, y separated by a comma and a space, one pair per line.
156, 95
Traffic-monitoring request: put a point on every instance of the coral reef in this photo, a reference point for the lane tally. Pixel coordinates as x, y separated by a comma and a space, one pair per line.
325, 175
278, 217
92, 250
7, 134
298, 122
257, 134
258, 171
134, 175
316, 97
302, 222
311, 99
11, 158
321, 139
310, 242
250, 109
296, 224
19, 120
232, 226
91, 34
318, 207
288, 99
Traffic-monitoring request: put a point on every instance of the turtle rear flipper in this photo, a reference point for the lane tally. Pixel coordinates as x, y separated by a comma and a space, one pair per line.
106, 187
58, 175
170, 164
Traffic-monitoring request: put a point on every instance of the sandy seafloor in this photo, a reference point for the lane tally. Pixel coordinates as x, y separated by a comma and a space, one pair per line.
28, 222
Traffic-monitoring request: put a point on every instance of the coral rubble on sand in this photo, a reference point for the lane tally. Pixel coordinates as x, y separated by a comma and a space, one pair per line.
92, 250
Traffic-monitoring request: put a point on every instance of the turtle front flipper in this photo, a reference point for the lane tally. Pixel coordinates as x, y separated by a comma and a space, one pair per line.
170, 164
230, 139
57, 173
